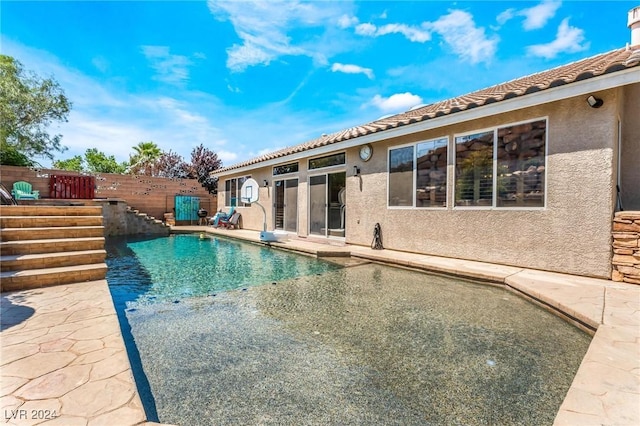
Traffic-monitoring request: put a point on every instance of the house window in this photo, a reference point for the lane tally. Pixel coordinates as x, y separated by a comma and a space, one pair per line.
418, 174
431, 173
232, 194
474, 169
285, 168
401, 176
327, 161
521, 164
503, 167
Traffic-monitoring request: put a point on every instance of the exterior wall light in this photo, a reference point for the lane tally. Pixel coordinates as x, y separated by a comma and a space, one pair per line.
356, 171
265, 183
594, 102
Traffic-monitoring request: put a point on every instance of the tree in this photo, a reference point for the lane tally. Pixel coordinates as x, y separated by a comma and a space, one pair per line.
171, 165
75, 164
98, 162
142, 161
28, 105
203, 162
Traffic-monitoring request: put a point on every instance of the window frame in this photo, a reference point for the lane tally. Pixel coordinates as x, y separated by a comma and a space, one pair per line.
227, 199
494, 203
414, 174
343, 164
273, 169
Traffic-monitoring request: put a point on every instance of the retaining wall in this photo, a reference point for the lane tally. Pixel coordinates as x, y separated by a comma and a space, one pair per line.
626, 247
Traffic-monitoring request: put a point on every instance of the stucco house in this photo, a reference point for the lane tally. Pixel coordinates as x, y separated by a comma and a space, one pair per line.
527, 173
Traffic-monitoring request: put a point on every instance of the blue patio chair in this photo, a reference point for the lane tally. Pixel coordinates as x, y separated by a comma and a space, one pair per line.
220, 216
24, 191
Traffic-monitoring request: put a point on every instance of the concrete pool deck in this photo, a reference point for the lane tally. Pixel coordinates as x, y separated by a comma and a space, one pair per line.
62, 349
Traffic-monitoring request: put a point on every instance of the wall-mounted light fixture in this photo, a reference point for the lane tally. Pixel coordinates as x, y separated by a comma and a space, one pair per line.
356, 171
265, 183
594, 102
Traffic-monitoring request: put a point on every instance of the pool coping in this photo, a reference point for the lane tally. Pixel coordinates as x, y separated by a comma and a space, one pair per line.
69, 352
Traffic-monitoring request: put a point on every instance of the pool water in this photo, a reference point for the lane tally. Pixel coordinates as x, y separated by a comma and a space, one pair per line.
366, 344
148, 270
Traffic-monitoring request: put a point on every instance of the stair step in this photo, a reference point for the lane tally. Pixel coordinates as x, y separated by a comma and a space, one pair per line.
24, 234
48, 221
40, 210
17, 262
22, 280
53, 245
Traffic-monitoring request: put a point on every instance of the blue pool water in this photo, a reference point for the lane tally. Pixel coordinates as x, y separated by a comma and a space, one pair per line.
147, 270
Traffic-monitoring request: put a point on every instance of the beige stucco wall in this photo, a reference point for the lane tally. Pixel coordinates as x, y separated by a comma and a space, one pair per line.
630, 159
572, 234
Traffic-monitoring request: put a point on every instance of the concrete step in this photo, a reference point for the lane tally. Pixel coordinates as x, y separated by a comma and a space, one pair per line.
52, 245
23, 280
48, 221
18, 262
40, 210
24, 234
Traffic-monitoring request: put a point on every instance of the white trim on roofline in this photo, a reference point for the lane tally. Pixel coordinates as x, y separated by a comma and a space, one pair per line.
569, 90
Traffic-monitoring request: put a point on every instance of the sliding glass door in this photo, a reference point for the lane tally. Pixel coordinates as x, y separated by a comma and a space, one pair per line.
286, 205
327, 204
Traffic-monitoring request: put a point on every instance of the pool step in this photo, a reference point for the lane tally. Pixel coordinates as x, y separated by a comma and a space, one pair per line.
36, 278
50, 245
15, 262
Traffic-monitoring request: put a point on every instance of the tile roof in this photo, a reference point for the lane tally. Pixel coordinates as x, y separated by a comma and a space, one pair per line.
605, 63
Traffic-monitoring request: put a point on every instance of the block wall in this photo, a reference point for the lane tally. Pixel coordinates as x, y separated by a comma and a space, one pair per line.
151, 195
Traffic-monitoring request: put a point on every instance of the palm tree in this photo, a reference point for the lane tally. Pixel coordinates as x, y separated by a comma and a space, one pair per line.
143, 160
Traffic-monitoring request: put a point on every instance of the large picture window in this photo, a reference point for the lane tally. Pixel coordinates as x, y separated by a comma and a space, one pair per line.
232, 194
418, 174
503, 167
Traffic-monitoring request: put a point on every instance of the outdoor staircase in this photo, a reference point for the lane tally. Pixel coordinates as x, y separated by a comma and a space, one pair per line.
50, 245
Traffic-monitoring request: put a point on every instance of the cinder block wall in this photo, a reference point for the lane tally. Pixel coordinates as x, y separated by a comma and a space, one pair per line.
151, 195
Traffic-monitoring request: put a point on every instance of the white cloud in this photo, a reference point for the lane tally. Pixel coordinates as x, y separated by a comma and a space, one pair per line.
352, 69
346, 21
264, 27
172, 69
568, 39
413, 34
505, 16
460, 32
396, 103
537, 16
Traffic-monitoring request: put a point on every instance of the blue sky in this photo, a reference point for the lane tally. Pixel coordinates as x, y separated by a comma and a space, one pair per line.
245, 78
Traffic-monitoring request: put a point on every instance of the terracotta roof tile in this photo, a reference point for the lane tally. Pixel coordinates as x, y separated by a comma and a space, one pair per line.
613, 61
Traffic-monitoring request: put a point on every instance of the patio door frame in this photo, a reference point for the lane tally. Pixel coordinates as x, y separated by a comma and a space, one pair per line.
287, 210
327, 202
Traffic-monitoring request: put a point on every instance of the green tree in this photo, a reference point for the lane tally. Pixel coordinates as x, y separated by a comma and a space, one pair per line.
28, 105
75, 164
142, 162
99, 162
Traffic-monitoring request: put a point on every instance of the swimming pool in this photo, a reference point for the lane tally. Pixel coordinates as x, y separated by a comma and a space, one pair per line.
367, 344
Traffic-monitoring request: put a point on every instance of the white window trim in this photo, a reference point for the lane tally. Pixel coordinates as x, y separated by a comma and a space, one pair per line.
495, 166
414, 174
